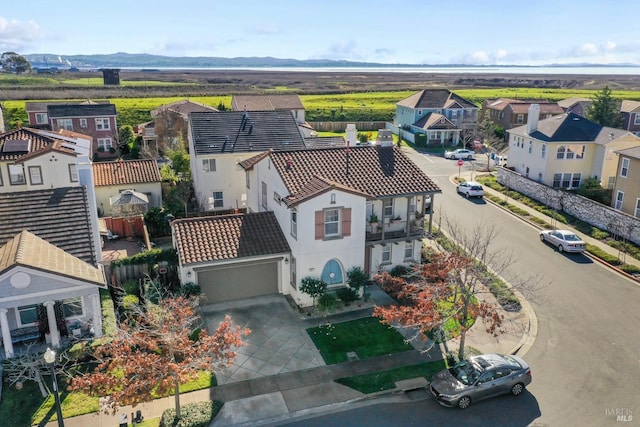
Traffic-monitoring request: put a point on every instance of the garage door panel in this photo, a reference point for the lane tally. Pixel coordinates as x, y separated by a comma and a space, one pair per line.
239, 281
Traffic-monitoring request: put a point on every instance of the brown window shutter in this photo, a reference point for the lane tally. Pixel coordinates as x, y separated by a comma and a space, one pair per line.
346, 222
319, 225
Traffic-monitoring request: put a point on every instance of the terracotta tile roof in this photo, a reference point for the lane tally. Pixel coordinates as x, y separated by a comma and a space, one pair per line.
436, 98
60, 216
317, 186
378, 171
28, 250
217, 238
81, 110
121, 172
266, 102
235, 131
36, 142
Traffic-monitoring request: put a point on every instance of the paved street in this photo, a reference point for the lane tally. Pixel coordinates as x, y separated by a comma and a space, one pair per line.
585, 358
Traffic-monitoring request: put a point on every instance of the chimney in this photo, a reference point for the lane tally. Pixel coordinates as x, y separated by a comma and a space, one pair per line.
385, 138
532, 120
351, 134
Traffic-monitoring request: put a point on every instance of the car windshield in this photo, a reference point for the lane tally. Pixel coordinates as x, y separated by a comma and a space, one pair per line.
571, 238
465, 372
476, 187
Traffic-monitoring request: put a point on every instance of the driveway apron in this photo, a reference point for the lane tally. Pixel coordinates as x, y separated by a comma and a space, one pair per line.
278, 342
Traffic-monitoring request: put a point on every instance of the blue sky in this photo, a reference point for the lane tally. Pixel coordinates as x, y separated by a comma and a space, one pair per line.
414, 32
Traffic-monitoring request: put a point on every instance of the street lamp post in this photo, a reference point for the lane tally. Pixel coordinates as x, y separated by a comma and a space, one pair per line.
50, 358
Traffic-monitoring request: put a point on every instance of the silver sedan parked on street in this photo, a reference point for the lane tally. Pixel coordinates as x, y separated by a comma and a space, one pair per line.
480, 377
564, 240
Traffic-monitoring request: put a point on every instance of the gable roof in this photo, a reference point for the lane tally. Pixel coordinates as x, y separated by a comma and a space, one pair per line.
183, 107
81, 110
35, 142
570, 102
545, 107
28, 250
237, 131
57, 146
633, 152
266, 102
436, 98
319, 185
324, 141
570, 127
60, 216
225, 237
630, 106
435, 121
377, 171
41, 106
122, 172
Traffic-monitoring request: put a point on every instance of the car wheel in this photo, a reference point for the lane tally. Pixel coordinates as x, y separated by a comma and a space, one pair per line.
464, 402
469, 157
542, 238
466, 195
560, 248
517, 389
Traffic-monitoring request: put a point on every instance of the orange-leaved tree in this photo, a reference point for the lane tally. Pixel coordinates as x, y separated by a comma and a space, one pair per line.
155, 350
461, 282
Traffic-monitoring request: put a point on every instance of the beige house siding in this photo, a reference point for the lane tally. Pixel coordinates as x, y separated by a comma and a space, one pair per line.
629, 185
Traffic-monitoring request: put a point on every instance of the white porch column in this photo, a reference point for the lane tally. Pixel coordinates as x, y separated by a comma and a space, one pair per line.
97, 315
6, 333
53, 326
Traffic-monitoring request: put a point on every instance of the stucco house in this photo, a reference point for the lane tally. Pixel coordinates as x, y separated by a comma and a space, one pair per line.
630, 112
463, 114
220, 141
626, 191
49, 271
564, 150
114, 178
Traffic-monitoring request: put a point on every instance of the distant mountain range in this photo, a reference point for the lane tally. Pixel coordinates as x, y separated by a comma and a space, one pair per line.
146, 61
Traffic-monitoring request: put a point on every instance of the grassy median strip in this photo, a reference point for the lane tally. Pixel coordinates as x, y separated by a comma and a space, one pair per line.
385, 380
366, 337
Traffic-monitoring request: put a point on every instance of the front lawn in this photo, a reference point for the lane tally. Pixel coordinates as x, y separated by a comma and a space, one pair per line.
366, 337
385, 380
26, 407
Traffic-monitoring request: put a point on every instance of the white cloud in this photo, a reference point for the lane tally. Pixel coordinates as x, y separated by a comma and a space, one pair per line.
611, 45
17, 35
589, 49
501, 54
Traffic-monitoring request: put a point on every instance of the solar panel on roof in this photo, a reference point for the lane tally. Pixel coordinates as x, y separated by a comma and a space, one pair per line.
16, 146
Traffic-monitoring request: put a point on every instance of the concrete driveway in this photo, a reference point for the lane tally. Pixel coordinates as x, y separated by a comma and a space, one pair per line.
278, 342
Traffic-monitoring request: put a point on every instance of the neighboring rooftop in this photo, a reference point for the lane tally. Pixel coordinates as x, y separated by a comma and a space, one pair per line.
376, 171
218, 238
324, 141
630, 106
571, 127
122, 172
41, 106
238, 131
81, 110
183, 107
15, 144
28, 250
266, 102
633, 152
60, 216
436, 98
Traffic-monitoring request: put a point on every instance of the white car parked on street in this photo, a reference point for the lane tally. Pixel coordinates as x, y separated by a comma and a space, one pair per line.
459, 154
470, 189
564, 240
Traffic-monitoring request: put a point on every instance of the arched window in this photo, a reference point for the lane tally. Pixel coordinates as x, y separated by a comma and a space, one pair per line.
332, 273
560, 154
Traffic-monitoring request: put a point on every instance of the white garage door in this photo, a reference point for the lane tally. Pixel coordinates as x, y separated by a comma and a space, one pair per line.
239, 281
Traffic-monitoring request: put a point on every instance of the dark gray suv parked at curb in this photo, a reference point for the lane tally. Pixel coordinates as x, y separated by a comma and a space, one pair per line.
480, 377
